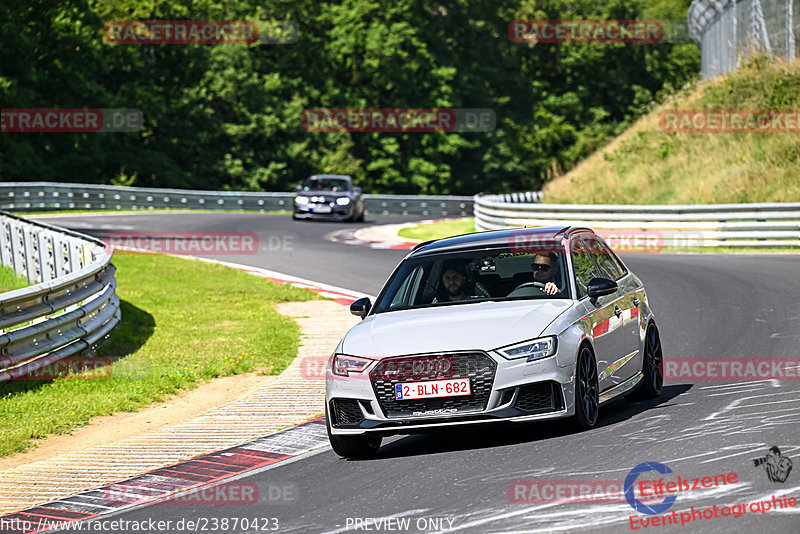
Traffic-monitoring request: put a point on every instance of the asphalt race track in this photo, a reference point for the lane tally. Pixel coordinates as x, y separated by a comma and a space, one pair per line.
707, 306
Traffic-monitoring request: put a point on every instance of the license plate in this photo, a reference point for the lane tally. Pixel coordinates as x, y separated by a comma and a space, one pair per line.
432, 389
322, 209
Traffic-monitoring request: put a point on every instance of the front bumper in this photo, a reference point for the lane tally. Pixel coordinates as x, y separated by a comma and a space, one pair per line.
516, 391
337, 213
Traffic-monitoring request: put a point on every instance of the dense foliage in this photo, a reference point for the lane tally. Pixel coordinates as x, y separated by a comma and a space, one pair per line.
228, 116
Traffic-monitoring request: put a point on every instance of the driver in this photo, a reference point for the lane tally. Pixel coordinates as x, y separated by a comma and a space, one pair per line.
545, 268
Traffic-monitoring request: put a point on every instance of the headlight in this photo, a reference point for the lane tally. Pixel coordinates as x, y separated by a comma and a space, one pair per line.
343, 201
344, 365
301, 200
535, 349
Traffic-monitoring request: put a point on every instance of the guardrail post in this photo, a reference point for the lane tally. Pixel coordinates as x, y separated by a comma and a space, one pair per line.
30, 255
58, 256
17, 251
74, 257
43, 248
789, 29
5, 245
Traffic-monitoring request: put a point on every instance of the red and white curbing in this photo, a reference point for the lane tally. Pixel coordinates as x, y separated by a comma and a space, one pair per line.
349, 237
383, 236
170, 483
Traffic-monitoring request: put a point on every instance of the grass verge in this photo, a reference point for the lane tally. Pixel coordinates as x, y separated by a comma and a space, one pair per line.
646, 165
10, 280
183, 322
438, 230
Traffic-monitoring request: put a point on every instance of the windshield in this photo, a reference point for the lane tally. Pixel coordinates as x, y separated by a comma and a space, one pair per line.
326, 184
474, 276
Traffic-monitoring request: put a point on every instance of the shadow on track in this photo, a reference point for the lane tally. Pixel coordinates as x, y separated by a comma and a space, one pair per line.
133, 330
488, 435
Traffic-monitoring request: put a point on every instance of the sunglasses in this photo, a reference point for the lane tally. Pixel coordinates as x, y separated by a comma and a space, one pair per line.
540, 266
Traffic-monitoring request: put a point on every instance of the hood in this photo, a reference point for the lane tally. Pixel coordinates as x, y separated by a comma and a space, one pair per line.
474, 326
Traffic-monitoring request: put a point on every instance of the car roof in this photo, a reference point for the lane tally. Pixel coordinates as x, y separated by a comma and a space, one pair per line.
493, 239
339, 176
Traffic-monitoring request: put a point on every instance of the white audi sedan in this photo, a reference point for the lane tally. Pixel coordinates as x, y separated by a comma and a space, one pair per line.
509, 325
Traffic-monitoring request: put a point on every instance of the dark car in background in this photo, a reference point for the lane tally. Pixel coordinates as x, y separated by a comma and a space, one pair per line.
330, 197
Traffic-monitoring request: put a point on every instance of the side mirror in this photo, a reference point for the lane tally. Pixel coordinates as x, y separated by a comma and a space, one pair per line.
298, 188
362, 306
600, 286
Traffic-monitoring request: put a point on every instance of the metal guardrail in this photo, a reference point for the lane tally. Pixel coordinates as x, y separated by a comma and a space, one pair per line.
729, 225
44, 196
727, 30
71, 306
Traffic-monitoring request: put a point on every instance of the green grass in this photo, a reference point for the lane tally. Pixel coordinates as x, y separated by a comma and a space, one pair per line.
183, 322
438, 230
10, 280
646, 165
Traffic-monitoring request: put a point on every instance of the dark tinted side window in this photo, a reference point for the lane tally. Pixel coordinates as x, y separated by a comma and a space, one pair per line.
583, 266
604, 259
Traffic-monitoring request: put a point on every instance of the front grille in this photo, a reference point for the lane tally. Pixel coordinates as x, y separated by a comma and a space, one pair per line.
476, 366
347, 412
540, 397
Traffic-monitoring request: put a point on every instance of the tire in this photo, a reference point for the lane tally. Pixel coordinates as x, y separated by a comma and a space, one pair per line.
652, 367
587, 398
360, 218
365, 446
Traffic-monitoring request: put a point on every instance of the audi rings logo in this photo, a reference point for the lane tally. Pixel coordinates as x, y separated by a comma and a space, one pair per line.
420, 368
630, 496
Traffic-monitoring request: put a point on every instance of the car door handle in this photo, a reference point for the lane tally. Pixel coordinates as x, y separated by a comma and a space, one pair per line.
635, 302
617, 311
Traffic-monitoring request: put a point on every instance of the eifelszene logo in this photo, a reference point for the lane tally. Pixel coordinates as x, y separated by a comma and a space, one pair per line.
630, 495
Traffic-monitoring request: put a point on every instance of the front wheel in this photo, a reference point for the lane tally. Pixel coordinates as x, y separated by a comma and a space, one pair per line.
587, 398
364, 446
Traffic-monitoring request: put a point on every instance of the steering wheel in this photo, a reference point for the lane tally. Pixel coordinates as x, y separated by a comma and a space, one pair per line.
529, 284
